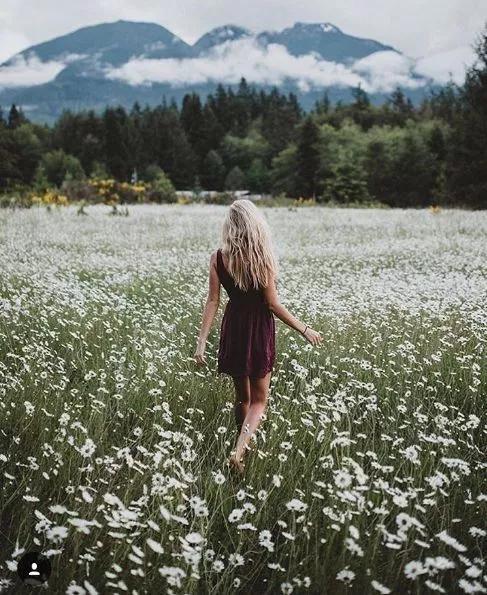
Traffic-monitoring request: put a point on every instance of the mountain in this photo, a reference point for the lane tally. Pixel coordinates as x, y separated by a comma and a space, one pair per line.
113, 43
324, 39
122, 62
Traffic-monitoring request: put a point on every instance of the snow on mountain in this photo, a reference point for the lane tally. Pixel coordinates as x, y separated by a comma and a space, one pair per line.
325, 40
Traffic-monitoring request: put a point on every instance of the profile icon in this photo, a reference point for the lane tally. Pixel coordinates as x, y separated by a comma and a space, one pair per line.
34, 568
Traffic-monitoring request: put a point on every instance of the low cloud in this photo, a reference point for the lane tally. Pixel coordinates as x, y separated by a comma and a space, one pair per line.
273, 65
447, 65
28, 70
384, 71
230, 61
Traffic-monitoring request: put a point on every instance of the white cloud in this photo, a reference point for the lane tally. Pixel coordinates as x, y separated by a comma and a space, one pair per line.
273, 65
232, 60
443, 66
26, 71
384, 71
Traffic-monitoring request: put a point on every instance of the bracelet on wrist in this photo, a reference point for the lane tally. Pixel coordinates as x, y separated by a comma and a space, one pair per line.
305, 329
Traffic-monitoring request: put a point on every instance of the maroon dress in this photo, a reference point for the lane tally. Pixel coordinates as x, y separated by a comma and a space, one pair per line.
247, 335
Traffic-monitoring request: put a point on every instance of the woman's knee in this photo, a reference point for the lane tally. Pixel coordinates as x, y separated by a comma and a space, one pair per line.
258, 395
242, 399
242, 389
259, 389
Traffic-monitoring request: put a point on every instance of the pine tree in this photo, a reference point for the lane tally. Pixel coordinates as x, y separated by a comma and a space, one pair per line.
117, 156
9, 171
220, 106
193, 123
308, 159
242, 109
169, 147
15, 117
280, 116
414, 172
401, 106
361, 99
322, 106
445, 103
212, 131
235, 179
437, 142
360, 109
213, 171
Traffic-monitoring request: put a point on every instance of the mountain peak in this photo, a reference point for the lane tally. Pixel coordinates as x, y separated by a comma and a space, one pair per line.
228, 31
113, 42
316, 27
220, 35
324, 40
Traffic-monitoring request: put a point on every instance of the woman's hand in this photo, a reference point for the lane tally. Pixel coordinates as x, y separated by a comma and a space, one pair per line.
313, 337
199, 355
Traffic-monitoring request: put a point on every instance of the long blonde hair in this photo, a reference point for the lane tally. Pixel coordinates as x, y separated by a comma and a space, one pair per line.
247, 243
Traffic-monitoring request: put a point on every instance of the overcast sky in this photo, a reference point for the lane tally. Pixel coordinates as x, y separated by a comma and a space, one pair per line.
415, 27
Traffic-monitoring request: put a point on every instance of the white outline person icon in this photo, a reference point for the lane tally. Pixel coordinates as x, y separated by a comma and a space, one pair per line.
34, 568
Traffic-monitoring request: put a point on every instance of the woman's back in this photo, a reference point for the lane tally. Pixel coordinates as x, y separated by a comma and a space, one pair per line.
247, 337
234, 292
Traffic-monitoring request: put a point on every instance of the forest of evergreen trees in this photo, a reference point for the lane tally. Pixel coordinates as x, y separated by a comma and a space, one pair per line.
396, 153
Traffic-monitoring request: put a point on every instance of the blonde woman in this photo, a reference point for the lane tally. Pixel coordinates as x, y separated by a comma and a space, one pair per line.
246, 267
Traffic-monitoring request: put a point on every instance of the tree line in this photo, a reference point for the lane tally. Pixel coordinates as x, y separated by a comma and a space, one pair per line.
261, 140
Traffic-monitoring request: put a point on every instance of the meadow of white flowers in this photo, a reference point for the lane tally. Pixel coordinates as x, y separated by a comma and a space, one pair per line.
370, 468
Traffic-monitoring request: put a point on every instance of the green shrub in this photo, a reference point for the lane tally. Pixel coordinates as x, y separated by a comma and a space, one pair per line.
162, 189
57, 166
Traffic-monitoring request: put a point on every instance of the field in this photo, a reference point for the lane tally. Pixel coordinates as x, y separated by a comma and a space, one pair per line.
370, 469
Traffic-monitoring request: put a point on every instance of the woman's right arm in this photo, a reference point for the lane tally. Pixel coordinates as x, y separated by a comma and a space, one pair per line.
275, 306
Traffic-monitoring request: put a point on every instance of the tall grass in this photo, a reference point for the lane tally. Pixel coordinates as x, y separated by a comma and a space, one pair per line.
369, 473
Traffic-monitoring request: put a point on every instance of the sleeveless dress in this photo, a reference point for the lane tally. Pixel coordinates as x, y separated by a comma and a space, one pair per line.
247, 334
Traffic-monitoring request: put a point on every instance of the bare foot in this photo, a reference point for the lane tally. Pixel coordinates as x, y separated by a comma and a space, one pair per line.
236, 465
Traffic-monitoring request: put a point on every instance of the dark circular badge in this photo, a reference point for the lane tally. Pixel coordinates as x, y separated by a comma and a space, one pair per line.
34, 568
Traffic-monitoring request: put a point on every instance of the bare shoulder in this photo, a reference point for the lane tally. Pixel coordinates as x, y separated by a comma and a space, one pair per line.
213, 258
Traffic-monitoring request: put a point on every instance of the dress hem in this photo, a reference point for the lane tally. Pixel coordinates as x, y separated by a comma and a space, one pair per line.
260, 374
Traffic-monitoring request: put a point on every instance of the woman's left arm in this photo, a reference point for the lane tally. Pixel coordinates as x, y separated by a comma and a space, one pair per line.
211, 307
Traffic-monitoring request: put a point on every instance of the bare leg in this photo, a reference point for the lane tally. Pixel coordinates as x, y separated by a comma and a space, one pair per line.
259, 390
242, 399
